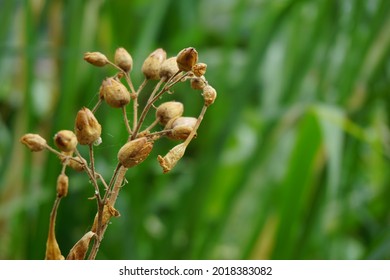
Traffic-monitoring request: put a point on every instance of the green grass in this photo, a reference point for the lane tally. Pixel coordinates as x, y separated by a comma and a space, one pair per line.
291, 161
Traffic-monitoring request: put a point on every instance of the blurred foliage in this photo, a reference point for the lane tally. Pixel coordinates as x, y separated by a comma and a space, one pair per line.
290, 162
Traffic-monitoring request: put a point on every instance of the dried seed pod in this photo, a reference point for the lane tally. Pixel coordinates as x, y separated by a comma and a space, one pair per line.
134, 152
96, 58
87, 127
172, 157
34, 142
65, 140
114, 93
209, 95
75, 163
123, 59
181, 128
199, 69
53, 251
79, 250
62, 185
198, 83
108, 212
187, 58
168, 68
169, 110
152, 64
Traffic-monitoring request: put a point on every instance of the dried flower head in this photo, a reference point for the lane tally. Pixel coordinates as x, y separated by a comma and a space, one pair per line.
152, 64
65, 140
199, 69
168, 111
34, 142
96, 58
198, 83
114, 93
182, 127
187, 58
172, 157
209, 95
134, 152
168, 68
62, 185
123, 59
87, 128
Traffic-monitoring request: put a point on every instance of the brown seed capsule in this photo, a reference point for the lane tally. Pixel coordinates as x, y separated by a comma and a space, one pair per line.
187, 58
62, 185
134, 152
114, 93
181, 128
168, 68
108, 212
169, 110
209, 95
76, 163
87, 127
79, 250
34, 142
96, 58
152, 64
172, 157
123, 59
199, 69
198, 83
65, 140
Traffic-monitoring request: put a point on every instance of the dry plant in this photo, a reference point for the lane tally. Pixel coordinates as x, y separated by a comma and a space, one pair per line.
119, 92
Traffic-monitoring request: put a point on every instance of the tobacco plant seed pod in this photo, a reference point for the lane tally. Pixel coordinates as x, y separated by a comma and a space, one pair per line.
114, 93
65, 140
87, 127
172, 157
134, 152
34, 142
199, 69
187, 58
79, 250
76, 165
168, 68
198, 83
209, 95
152, 64
169, 110
182, 127
62, 185
96, 58
123, 59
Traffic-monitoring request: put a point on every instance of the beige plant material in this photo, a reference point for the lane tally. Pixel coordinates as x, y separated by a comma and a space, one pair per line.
79, 250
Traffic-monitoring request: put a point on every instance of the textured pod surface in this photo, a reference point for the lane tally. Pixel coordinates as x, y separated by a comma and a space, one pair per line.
168, 68
87, 128
187, 58
182, 127
114, 93
34, 142
134, 152
168, 111
152, 64
123, 59
65, 140
172, 157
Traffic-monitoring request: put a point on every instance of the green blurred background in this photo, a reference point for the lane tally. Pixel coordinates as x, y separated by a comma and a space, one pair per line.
291, 162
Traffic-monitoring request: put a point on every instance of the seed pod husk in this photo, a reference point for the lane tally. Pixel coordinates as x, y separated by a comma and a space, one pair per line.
172, 157
79, 250
62, 185
75, 163
114, 93
168, 68
123, 59
96, 58
209, 95
134, 152
108, 212
199, 69
169, 110
182, 127
198, 83
34, 142
87, 128
187, 58
65, 140
152, 64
